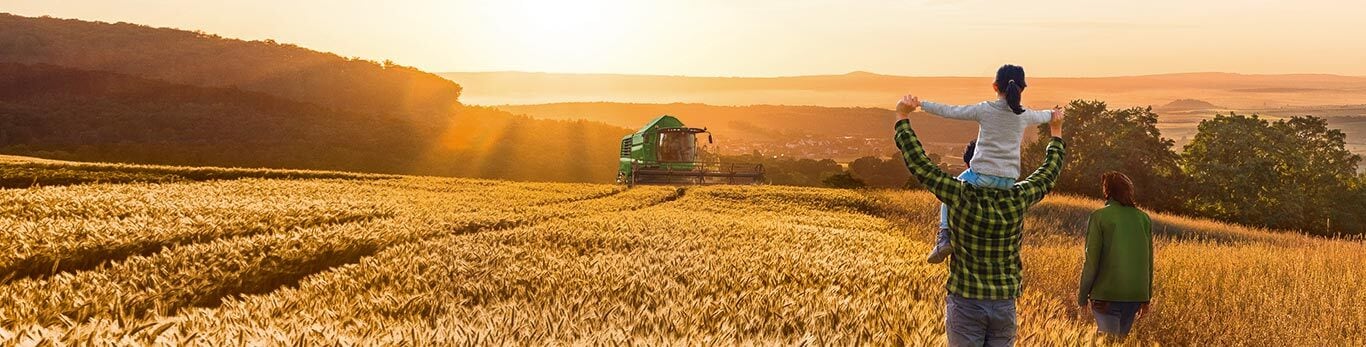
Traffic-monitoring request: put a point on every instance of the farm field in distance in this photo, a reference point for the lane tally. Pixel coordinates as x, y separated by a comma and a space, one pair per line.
157, 254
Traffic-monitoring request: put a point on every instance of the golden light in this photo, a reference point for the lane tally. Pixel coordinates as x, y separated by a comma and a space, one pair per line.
569, 33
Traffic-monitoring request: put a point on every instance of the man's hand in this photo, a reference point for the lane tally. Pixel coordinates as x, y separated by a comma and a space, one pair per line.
1055, 125
1142, 310
906, 105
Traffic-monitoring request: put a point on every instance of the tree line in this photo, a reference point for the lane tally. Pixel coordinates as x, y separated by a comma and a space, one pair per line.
1293, 174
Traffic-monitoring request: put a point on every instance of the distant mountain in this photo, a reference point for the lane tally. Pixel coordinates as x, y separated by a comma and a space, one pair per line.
1188, 104
864, 89
206, 60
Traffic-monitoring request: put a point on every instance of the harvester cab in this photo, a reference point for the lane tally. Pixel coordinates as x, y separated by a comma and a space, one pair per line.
665, 152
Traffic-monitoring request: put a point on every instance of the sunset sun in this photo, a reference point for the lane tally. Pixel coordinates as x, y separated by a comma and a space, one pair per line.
571, 33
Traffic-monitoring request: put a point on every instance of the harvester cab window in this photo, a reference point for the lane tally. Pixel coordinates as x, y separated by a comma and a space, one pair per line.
677, 147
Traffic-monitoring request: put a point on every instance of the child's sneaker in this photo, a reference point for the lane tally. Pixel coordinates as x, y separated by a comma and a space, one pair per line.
942, 249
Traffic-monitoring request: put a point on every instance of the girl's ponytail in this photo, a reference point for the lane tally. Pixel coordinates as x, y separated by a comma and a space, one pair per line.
1010, 80
1012, 92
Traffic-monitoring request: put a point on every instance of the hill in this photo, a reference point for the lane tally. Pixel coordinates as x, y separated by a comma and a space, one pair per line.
840, 133
200, 59
414, 260
1235, 91
63, 113
1188, 105
90, 91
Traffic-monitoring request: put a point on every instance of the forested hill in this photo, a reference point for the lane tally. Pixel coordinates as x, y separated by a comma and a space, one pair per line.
62, 113
90, 91
200, 59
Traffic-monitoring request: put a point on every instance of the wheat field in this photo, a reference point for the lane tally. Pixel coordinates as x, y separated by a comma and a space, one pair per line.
276, 257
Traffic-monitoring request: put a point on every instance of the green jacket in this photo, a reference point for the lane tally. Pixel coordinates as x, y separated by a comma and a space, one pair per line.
1119, 256
987, 223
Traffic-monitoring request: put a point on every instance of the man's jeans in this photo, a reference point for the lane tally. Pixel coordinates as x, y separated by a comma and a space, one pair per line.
972, 177
970, 322
1114, 318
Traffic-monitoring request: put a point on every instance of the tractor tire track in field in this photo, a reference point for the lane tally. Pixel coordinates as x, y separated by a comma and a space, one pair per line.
288, 275
594, 196
675, 195
206, 274
44, 265
271, 278
181, 276
678, 194
357, 252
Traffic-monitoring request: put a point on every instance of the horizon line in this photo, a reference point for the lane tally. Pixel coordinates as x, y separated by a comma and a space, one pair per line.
868, 73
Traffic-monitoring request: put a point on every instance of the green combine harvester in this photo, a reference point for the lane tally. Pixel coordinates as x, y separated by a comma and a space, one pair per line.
665, 152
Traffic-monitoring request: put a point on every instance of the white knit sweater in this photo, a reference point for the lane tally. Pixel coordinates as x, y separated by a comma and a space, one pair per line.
999, 132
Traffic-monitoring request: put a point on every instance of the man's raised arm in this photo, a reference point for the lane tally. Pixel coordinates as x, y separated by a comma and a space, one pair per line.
1039, 183
944, 186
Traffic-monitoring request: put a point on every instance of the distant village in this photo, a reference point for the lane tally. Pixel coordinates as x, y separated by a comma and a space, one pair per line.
842, 149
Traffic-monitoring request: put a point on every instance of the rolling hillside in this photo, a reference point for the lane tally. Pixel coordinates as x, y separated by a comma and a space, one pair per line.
61, 113
90, 91
89, 115
206, 60
261, 258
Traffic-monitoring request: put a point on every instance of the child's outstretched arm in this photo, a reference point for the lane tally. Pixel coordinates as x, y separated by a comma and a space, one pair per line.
964, 112
1042, 116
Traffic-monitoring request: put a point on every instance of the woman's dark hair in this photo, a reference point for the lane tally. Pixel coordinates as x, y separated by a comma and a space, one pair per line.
967, 153
1010, 79
1117, 187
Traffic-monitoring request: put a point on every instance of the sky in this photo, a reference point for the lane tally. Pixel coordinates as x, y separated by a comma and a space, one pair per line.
1060, 38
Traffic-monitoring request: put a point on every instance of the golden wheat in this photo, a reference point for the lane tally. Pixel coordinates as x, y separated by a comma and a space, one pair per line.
458, 261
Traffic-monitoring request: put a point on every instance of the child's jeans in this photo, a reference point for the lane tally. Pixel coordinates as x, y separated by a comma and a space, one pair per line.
971, 177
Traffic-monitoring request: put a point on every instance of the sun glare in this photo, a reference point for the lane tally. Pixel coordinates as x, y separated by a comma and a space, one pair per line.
570, 33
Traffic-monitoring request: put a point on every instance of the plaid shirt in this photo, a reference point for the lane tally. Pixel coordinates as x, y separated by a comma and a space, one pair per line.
986, 223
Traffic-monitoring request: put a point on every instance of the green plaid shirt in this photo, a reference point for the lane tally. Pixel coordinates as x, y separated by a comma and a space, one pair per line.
986, 223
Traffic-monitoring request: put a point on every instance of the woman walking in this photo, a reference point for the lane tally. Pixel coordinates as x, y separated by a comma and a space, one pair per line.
1117, 281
